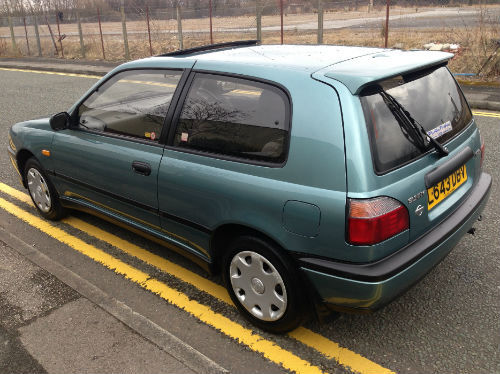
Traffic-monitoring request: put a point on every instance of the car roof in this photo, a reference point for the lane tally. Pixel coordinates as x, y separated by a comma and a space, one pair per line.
293, 57
355, 67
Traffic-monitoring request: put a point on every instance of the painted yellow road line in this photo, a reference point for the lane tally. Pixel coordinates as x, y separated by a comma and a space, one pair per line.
149, 258
332, 350
135, 251
245, 336
328, 348
53, 73
486, 114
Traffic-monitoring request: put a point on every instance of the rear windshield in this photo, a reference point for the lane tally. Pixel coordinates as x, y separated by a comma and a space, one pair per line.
430, 98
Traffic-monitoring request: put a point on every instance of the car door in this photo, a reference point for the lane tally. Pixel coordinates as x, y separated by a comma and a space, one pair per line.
241, 121
109, 159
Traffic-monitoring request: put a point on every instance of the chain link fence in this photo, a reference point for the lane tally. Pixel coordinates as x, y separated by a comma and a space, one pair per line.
123, 30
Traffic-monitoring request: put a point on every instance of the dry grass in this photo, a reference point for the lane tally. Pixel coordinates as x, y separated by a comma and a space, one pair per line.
477, 42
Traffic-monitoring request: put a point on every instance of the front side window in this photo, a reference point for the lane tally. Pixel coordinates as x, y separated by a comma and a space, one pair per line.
234, 117
132, 103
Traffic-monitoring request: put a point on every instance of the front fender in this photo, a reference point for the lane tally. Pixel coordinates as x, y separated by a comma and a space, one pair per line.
30, 138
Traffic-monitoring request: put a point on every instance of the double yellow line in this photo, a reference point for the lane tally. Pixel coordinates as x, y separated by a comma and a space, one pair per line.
486, 114
241, 334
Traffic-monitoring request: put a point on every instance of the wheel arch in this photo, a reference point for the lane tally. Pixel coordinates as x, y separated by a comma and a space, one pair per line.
22, 156
225, 234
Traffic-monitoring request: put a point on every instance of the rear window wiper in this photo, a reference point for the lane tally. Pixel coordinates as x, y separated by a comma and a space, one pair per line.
411, 126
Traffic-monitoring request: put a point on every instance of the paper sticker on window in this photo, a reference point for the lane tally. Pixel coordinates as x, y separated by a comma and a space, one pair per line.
184, 137
440, 130
153, 136
147, 135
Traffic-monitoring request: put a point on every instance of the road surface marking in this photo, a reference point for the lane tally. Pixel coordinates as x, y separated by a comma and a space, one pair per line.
245, 336
53, 73
486, 114
318, 342
476, 113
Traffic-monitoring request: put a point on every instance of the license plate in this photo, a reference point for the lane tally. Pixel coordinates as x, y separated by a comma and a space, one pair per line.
445, 188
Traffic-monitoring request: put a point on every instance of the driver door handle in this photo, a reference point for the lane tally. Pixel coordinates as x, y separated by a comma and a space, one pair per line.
142, 168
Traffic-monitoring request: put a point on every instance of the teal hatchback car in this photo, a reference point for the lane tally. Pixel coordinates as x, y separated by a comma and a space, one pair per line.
314, 178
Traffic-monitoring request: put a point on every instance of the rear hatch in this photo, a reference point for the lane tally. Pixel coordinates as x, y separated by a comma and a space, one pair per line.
396, 110
398, 105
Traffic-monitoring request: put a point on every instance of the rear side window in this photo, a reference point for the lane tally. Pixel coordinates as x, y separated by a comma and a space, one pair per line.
133, 103
432, 98
234, 117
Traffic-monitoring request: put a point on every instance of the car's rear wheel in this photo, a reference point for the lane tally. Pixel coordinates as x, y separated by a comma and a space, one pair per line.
42, 191
263, 284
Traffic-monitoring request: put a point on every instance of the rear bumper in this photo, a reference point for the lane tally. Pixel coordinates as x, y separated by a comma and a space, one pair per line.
369, 286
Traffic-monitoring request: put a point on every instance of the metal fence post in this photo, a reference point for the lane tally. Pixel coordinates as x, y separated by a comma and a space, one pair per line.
210, 14
258, 11
80, 33
26, 33
59, 33
387, 22
51, 34
179, 27
100, 32
320, 21
11, 26
149, 31
37, 35
124, 30
281, 13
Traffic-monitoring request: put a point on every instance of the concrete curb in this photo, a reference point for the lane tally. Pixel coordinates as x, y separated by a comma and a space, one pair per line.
485, 105
146, 328
477, 84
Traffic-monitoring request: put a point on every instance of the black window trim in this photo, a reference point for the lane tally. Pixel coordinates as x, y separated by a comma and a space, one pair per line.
166, 120
180, 104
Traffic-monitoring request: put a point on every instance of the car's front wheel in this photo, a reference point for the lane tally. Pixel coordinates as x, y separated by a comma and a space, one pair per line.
263, 284
42, 191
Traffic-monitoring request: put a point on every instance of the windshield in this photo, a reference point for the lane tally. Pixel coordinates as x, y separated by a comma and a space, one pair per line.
432, 98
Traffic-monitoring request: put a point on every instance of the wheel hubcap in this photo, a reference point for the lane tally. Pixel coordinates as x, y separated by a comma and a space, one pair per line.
258, 286
39, 190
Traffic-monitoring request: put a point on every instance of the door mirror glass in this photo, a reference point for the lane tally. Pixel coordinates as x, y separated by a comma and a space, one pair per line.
59, 121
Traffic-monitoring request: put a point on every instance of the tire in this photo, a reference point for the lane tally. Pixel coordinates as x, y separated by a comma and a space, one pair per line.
42, 191
263, 284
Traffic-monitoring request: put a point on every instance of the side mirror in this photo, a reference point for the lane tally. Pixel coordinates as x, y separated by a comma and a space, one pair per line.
59, 121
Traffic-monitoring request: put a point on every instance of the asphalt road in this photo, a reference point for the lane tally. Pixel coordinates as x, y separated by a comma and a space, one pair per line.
447, 323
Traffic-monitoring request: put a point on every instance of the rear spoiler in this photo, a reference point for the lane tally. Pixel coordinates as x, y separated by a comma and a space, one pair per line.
359, 72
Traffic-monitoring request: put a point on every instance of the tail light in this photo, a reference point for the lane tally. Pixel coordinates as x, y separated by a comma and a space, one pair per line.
482, 150
374, 220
